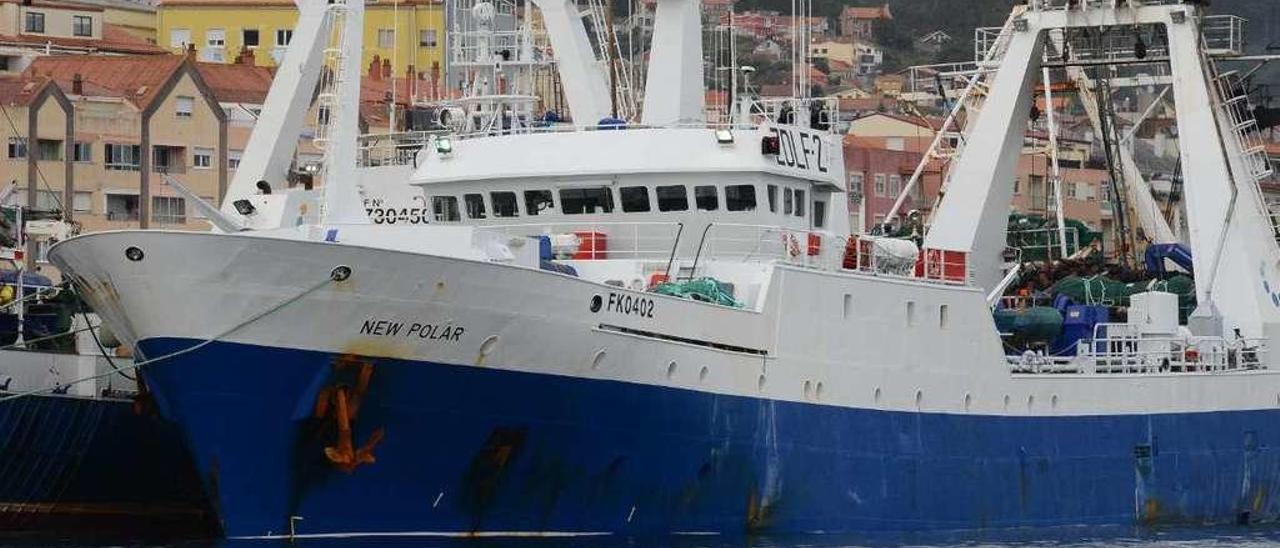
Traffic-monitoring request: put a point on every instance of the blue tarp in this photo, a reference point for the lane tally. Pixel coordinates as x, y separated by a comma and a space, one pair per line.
29, 279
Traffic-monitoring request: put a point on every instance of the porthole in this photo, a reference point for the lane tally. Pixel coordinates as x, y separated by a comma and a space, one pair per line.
919, 398
1006, 402
1031, 401
671, 370
877, 395
1053, 401
817, 392
968, 401
702, 375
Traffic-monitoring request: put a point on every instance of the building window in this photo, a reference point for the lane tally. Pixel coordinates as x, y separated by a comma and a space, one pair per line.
168, 159
183, 106
122, 207
48, 150
895, 185
216, 43
179, 38
882, 187
249, 37
386, 38
122, 157
233, 159
168, 210
1069, 188
283, 37
202, 158
35, 22
17, 147
82, 152
46, 200
855, 183
82, 201
427, 38
82, 25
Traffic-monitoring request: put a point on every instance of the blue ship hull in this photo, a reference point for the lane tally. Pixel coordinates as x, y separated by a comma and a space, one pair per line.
71, 463
474, 450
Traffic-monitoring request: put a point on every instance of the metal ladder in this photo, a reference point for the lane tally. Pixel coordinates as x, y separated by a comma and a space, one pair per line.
327, 99
972, 107
607, 49
1236, 109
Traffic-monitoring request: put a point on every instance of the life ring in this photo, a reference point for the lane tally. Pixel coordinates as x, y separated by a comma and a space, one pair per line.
792, 245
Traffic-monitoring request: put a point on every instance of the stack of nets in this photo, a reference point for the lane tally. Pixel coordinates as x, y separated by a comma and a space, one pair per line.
1104, 291
701, 289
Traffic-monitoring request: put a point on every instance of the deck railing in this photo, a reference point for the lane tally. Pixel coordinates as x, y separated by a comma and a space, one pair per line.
1118, 348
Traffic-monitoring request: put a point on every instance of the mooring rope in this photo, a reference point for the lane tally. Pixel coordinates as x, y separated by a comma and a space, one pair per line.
338, 274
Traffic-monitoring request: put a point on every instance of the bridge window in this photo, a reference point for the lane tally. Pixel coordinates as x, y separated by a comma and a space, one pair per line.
475, 205
707, 198
504, 204
819, 213
771, 192
672, 198
445, 208
799, 203
537, 201
787, 201
635, 199
575, 201
740, 197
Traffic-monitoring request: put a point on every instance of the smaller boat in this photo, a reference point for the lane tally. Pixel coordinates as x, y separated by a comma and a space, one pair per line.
79, 456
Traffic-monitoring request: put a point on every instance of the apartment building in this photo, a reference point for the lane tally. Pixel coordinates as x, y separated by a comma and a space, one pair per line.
29, 30
95, 136
405, 33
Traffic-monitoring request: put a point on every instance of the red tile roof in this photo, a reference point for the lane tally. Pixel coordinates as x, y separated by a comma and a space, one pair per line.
236, 83
114, 40
18, 91
136, 78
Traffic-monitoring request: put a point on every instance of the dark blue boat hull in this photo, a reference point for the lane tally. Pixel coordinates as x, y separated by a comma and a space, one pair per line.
475, 450
72, 463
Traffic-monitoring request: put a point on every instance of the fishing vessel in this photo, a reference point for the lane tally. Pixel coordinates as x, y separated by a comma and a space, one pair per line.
79, 455
664, 325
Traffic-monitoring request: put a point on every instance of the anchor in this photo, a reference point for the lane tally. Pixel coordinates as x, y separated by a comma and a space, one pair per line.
341, 403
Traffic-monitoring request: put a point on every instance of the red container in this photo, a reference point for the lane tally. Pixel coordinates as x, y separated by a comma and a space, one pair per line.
592, 245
